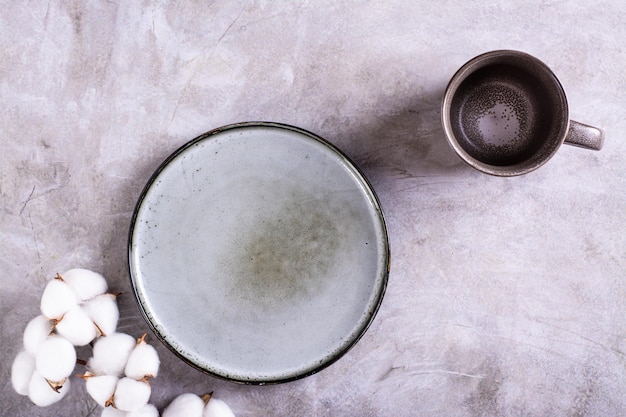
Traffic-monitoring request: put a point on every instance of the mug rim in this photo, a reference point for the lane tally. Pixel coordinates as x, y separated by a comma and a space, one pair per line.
469, 68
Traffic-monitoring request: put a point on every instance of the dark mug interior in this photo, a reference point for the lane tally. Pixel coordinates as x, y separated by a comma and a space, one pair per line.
506, 109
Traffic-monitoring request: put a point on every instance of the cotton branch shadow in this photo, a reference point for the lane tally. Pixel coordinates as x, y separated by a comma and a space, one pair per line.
125, 193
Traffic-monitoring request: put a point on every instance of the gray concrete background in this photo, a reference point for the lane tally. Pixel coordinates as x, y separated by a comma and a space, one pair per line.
506, 296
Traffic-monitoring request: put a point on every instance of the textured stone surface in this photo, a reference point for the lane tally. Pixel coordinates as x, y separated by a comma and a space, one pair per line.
506, 295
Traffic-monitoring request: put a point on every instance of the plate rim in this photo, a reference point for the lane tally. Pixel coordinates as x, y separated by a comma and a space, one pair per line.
380, 289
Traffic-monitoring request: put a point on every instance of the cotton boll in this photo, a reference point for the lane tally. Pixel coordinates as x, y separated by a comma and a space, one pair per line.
113, 412
147, 410
57, 299
22, 372
217, 408
185, 405
55, 359
143, 361
110, 354
42, 394
131, 395
104, 312
101, 388
36, 331
77, 327
86, 284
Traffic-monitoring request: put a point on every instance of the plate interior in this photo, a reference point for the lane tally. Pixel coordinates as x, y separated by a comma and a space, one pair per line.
258, 253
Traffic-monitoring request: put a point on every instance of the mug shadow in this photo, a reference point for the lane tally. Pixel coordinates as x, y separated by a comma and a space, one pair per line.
407, 142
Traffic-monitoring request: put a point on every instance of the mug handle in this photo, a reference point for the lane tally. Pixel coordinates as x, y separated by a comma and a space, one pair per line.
584, 136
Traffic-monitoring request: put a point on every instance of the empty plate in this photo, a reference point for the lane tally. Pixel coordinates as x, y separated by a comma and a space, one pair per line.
258, 253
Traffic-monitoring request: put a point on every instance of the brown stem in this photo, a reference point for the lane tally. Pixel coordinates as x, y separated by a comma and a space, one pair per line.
146, 379
207, 397
102, 333
56, 386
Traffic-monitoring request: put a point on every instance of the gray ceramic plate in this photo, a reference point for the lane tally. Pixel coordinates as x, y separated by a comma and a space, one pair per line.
258, 253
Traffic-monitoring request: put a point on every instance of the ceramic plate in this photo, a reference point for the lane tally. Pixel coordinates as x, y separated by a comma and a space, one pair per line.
258, 253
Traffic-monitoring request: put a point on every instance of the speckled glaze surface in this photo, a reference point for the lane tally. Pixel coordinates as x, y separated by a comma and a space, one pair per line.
505, 113
258, 253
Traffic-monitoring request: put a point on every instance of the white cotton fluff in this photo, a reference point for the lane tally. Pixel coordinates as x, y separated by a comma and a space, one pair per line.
36, 331
55, 359
113, 412
101, 388
42, 394
131, 395
110, 354
77, 327
142, 362
217, 408
57, 299
147, 410
22, 372
86, 284
185, 405
104, 312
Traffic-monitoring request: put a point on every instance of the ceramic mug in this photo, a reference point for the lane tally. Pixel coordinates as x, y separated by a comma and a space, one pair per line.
505, 113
